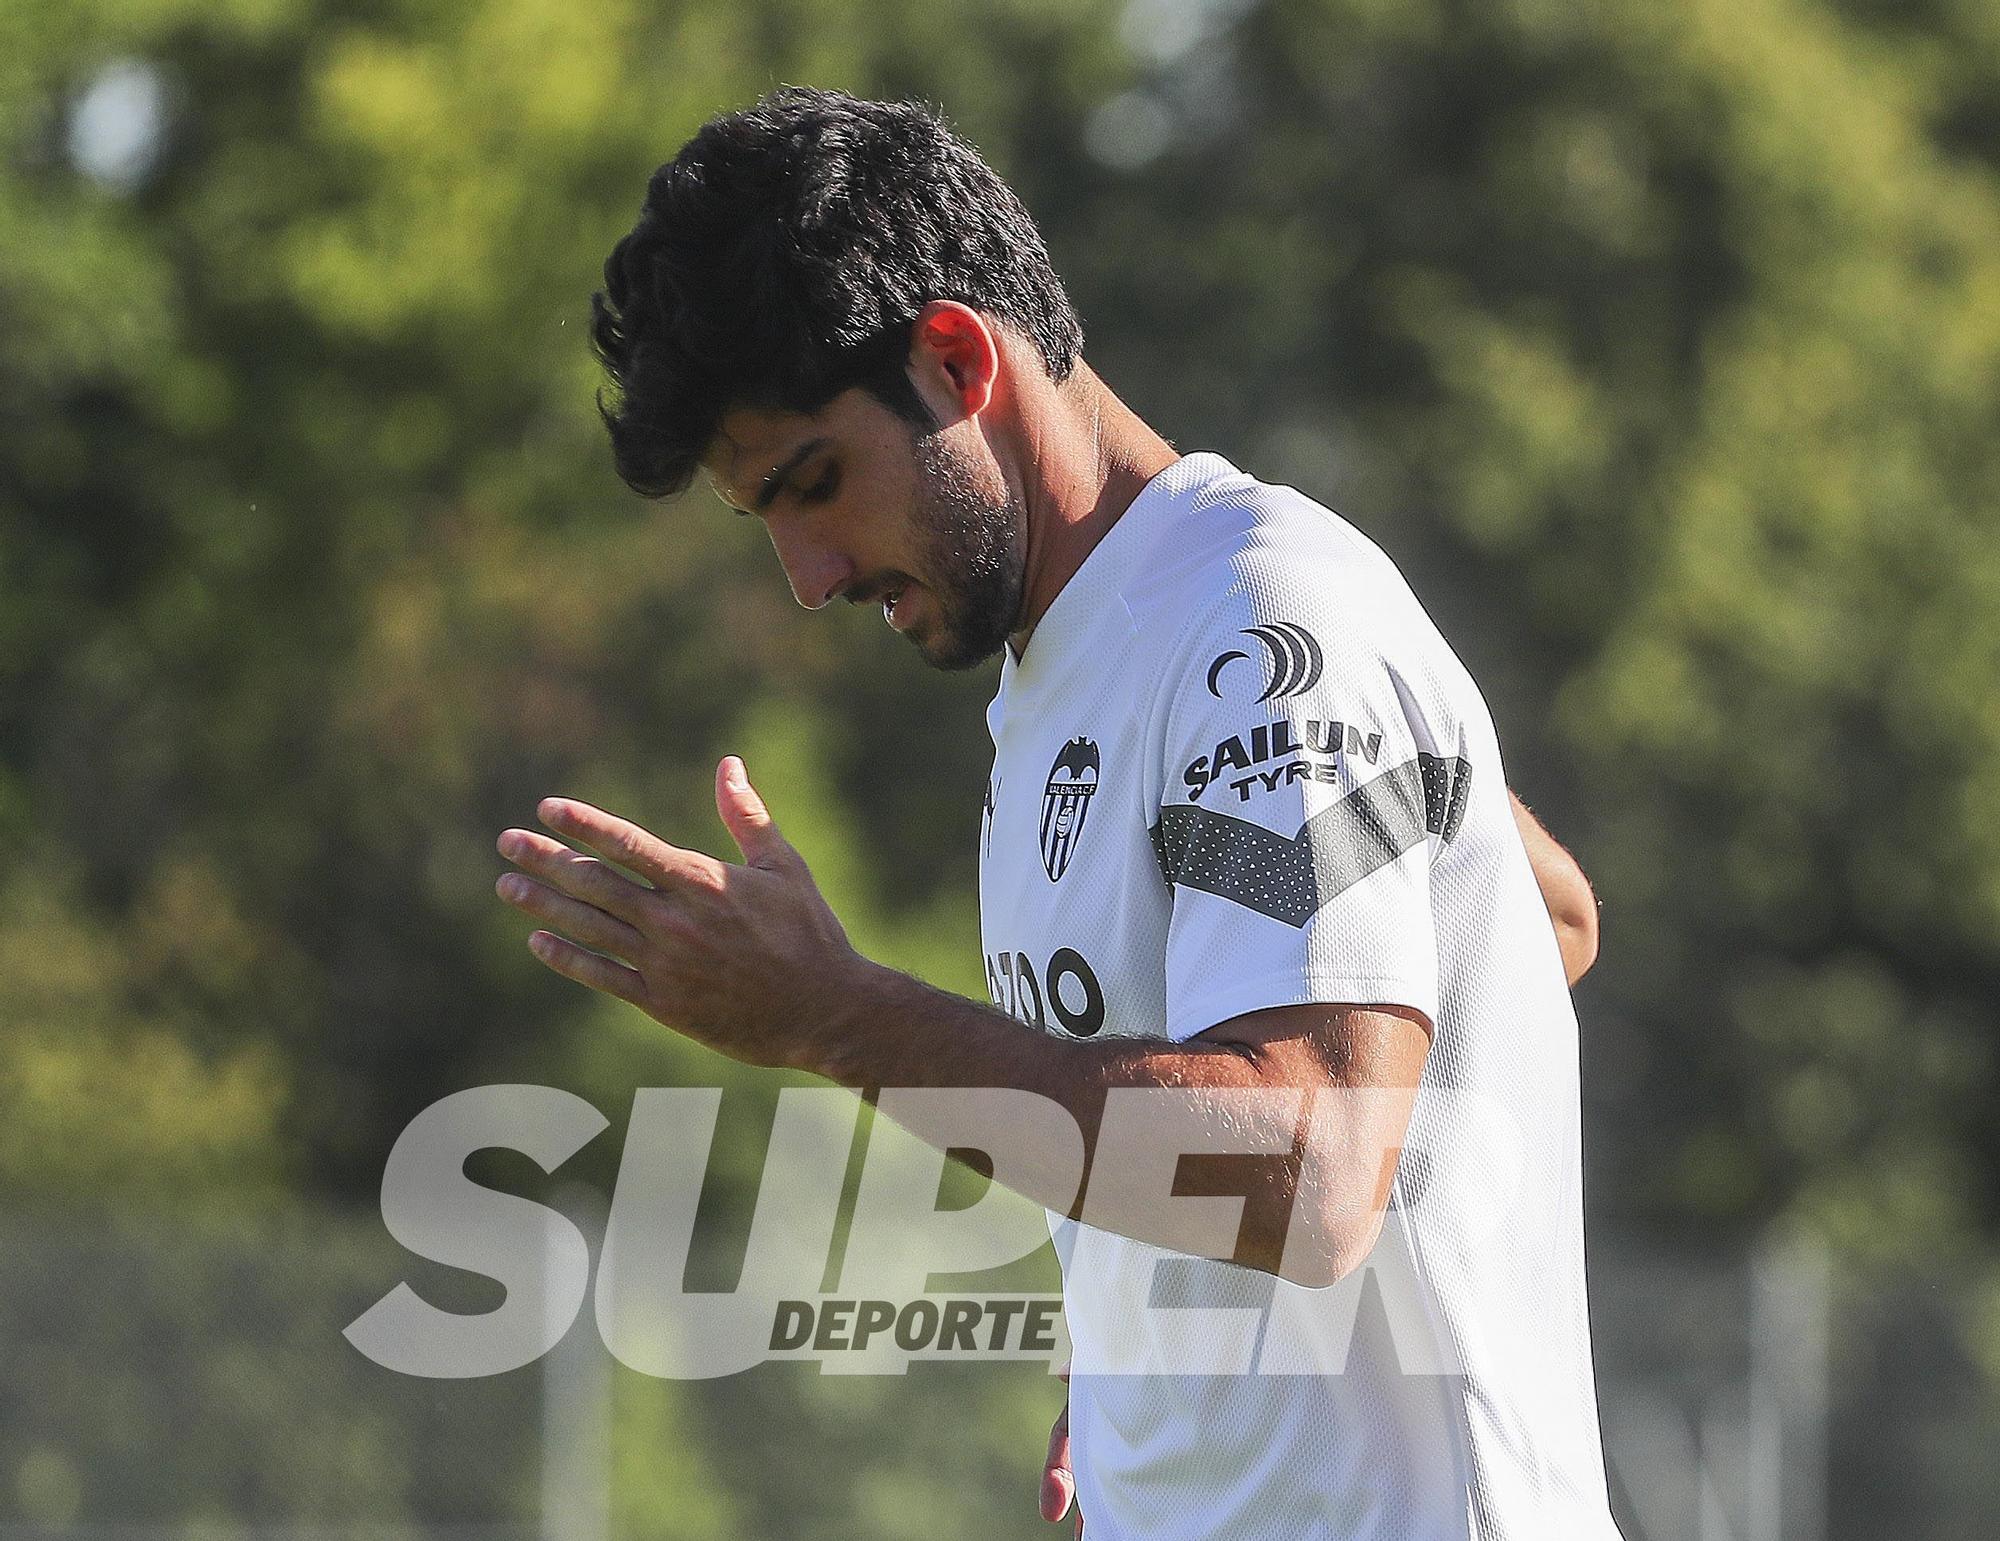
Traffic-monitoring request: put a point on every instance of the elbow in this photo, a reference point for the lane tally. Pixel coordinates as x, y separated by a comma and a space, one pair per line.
1321, 1249
1318, 1274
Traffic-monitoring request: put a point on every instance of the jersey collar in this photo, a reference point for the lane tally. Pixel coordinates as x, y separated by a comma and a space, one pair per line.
1094, 596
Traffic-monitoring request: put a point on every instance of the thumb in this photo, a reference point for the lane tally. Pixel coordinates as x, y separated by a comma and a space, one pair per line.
746, 818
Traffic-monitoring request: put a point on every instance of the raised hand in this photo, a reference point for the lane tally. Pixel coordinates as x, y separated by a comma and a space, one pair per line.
737, 956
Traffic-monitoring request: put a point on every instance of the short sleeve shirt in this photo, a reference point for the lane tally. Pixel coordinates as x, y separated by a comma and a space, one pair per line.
1238, 768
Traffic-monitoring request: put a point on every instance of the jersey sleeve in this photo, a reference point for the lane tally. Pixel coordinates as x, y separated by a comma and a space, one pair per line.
1310, 773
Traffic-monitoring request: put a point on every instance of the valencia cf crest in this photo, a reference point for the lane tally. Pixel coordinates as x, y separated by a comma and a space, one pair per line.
1072, 783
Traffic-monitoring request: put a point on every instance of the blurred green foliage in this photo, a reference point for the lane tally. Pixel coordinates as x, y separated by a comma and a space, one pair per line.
1660, 343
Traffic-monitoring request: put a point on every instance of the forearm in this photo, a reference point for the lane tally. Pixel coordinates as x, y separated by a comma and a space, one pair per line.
727, 955
895, 1031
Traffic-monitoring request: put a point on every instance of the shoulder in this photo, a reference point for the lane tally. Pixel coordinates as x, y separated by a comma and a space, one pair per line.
1261, 592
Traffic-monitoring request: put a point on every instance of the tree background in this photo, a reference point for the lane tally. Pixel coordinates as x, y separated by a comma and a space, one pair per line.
1658, 342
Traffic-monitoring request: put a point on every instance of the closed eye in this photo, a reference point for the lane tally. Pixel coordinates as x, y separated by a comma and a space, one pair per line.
823, 487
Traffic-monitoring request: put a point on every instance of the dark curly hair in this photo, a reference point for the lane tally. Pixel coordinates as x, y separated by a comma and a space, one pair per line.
782, 257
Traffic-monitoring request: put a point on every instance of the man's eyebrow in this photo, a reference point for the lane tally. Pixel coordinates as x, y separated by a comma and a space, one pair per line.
767, 489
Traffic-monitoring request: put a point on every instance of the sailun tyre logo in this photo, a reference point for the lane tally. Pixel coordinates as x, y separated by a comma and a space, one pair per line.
1065, 802
1294, 656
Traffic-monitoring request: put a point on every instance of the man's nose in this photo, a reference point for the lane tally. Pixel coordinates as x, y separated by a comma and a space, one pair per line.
816, 573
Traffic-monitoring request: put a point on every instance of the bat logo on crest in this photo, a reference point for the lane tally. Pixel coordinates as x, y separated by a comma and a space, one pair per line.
1065, 802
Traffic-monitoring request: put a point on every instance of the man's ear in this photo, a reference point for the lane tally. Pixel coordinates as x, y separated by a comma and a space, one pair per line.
954, 358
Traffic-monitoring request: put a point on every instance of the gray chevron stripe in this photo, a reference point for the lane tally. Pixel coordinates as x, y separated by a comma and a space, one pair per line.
1446, 782
1291, 878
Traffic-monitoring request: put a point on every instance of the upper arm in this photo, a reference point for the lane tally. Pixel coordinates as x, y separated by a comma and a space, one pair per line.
1361, 1066
1331, 1044
1312, 768
1565, 890
1310, 773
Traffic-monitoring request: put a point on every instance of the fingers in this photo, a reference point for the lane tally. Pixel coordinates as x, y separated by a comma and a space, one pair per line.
586, 897
570, 872
585, 923
1058, 1482
588, 968
621, 841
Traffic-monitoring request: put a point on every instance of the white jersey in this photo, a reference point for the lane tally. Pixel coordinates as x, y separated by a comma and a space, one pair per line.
1237, 768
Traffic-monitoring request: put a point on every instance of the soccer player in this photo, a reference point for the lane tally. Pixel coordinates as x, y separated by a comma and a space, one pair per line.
1246, 840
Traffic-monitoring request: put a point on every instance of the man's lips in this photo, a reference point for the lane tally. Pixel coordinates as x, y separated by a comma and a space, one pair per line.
893, 595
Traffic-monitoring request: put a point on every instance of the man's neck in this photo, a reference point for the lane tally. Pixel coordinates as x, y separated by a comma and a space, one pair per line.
1090, 456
